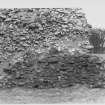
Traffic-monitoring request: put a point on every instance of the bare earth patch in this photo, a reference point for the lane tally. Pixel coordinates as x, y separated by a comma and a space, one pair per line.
77, 94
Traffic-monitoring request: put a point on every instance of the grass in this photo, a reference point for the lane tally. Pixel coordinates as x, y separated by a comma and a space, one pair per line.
77, 94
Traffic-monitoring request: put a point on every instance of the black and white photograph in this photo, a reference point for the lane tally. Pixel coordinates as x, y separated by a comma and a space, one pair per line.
52, 52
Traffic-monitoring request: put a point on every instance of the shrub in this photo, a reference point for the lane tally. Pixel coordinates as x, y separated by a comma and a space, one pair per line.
97, 39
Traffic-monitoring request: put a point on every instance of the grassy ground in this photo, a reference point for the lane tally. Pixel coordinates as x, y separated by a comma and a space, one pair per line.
75, 94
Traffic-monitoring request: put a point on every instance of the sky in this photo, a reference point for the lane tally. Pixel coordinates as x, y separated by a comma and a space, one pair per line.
94, 9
